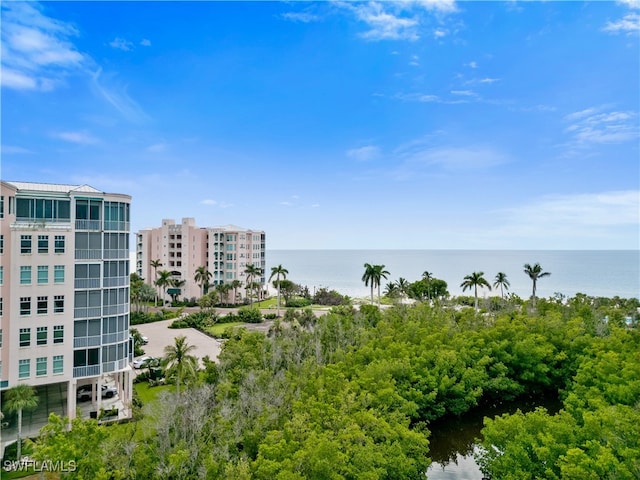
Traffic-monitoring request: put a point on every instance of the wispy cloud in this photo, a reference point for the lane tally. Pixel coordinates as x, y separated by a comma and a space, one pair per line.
214, 203
472, 64
301, 17
628, 24
80, 138
13, 150
108, 88
36, 50
364, 154
145, 42
464, 93
121, 44
592, 126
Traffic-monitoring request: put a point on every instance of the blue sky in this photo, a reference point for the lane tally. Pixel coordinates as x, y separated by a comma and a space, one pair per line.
414, 124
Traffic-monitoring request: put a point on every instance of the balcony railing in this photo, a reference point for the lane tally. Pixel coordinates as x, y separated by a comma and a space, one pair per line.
88, 224
92, 341
88, 371
93, 254
116, 225
87, 312
87, 283
114, 337
115, 309
120, 253
116, 282
113, 366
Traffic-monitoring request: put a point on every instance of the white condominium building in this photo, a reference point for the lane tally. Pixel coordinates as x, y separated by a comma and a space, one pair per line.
64, 293
181, 249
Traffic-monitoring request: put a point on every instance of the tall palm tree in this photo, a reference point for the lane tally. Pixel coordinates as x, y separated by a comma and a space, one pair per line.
178, 359
202, 278
535, 273
403, 286
252, 271
223, 290
475, 280
155, 264
374, 274
392, 290
176, 283
427, 275
502, 282
164, 277
16, 399
278, 272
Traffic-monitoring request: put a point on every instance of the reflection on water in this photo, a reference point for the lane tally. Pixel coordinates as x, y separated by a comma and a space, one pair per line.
453, 440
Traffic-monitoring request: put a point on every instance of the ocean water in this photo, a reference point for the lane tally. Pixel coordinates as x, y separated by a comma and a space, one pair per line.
604, 273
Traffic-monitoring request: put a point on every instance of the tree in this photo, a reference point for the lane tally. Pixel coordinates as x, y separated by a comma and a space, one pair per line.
534, 273
177, 284
475, 280
403, 287
202, 278
392, 290
164, 277
135, 287
427, 275
374, 274
252, 271
235, 285
223, 290
155, 264
502, 282
178, 360
278, 272
17, 399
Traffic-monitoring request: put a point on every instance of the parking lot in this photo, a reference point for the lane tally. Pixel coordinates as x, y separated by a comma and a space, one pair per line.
160, 335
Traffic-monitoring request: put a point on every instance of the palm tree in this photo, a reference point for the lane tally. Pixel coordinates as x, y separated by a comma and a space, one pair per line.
252, 271
502, 282
164, 277
278, 272
223, 290
16, 399
235, 285
202, 278
178, 359
475, 280
535, 273
427, 275
374, 274
403, 286
155, 264
392, 290
176, 283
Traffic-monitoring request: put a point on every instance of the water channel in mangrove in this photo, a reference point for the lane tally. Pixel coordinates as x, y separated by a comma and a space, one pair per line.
453, 440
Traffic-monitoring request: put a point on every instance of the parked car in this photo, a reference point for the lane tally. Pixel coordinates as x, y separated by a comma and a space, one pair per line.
145, 340
83, 393
143, 362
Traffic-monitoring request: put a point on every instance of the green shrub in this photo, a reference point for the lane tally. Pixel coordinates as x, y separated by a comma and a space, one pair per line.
249, 315
269, 316
298, 302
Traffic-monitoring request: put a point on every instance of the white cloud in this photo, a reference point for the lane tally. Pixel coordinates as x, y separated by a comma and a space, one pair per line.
209, 201
472, 64
13, 150
36, 51
439, 33
106, 86
628, 24
145, 42
364, 154
384, 25
591, 126
121, 44
214, 203
300, 17
630, 3
80, 138
464, 93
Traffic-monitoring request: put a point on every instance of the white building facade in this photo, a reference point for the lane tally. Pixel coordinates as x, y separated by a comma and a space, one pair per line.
64, 290
182, 248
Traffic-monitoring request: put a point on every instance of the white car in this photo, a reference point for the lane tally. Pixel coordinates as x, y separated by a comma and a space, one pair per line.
142, 362
83, 393
145, 340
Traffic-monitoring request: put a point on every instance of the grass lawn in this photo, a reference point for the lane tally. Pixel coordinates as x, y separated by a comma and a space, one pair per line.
218, 329
268, 303
149, 394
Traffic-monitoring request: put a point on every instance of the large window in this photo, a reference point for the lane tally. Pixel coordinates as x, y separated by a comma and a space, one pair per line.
58, 364
58, 274
1, 274
82, 358
42, 209
2, 206
41, 366
41, 335
24, 368
58, 333
25, 337
41, 305
25, 243
88, 209
43, 243
116, 215
43, 274
58, 304
25, 305
25, 275
1, 244
58, 244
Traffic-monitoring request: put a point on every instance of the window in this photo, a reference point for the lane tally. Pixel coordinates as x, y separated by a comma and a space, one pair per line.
25, 243
41, 306
25, 275
41, 366
58, 365
58, 274
2, 206
1, 244
42, 209
1, 274
58, 304
58, 244
41, 336
25, 305
58, 333
43, 243
1, 306
0, 341
24, 368
25, 337
43, 274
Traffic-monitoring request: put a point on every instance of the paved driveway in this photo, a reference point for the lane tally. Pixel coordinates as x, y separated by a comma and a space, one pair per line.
160, 335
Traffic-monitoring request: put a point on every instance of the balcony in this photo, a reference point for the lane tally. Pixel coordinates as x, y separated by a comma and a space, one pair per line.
114, 366
82, 254
116, 225
89, 225
87, 371
87, 312
93, 341
116, 282
120, 253
86, 283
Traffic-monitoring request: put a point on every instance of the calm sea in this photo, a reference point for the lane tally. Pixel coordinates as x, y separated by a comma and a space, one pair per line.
604, 273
